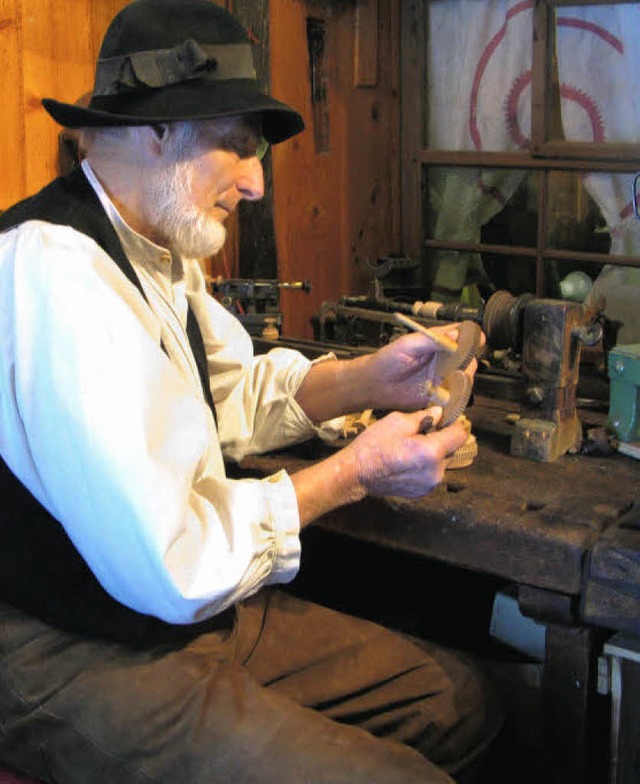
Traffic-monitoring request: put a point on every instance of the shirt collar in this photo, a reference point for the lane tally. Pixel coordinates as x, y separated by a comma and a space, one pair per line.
137, 247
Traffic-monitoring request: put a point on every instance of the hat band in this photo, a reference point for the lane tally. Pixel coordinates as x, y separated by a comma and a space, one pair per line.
163, 67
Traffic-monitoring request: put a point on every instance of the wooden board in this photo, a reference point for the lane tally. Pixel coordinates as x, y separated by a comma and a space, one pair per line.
612, 583
12, 161
529, 522
47, 49
337, 207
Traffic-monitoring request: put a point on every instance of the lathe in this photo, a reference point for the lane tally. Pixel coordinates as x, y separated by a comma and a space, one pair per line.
533, 352
255, 302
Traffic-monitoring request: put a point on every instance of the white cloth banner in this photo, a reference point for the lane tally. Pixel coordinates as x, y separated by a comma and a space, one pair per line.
479, 97
599, 69
479, 77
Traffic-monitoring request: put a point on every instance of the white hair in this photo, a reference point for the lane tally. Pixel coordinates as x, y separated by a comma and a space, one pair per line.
104, 138
187, 230
190, 231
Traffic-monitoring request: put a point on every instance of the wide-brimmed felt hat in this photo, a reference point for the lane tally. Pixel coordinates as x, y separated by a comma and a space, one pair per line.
169, 60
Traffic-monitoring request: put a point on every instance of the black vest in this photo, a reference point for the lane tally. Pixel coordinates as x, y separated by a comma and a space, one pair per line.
41, 572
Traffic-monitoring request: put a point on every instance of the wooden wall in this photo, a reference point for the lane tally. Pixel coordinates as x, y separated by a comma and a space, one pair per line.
337, 207
47, 49
330, 208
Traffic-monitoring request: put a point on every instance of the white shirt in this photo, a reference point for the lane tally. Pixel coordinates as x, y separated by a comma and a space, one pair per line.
113, 436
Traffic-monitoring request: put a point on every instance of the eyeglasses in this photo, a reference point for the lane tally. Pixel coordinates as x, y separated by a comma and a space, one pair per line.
635, 195
262, 148
243, 141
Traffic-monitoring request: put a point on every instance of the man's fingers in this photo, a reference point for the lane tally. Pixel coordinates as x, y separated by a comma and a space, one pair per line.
447, 440
428, 419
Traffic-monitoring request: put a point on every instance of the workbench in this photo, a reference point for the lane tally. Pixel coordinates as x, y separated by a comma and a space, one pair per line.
565, 533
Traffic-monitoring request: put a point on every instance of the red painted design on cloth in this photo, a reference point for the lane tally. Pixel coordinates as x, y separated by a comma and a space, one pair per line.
572, 93
482, 65
511, 110
590, 27
254, 40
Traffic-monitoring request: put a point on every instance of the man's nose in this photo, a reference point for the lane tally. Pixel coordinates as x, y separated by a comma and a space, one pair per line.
250, 181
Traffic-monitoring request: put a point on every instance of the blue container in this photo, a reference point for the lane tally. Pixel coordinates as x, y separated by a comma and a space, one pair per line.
624, 393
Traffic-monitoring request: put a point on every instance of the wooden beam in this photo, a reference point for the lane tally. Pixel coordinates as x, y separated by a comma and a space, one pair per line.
412, 133
256, 240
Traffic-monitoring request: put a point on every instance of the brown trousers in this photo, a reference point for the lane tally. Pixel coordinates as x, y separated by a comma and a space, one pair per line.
295, 693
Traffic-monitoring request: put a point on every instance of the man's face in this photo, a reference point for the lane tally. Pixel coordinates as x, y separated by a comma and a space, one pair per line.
226, 167
201, 183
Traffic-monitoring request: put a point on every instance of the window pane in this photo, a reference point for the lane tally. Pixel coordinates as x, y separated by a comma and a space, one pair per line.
619, 289
574, 220
516, 274
516, 224
615, 290
592, 212
479, 75
491, 206
464, 203
598, 60
572, 280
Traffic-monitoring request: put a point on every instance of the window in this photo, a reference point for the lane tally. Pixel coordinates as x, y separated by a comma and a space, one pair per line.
520, 145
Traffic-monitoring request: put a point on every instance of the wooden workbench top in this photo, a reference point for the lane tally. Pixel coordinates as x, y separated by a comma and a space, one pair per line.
530, 522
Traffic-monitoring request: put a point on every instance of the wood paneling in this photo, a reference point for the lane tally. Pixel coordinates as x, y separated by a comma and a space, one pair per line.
47, 49
334, 208
331, 209
56, 62
365, 56
12, 183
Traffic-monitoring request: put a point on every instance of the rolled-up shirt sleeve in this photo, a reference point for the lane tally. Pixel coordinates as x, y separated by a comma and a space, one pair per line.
97, 422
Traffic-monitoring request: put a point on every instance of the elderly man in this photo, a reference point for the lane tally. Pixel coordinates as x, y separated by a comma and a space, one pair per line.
140, 639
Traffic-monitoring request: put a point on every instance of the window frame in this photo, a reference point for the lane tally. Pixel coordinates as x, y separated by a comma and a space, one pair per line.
545, 155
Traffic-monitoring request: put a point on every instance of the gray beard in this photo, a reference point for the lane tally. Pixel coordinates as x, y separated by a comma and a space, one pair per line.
188, 231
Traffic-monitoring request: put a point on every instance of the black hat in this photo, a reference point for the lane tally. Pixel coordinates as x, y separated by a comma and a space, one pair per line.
170, 60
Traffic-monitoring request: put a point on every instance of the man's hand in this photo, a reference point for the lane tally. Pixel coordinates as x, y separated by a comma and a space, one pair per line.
401, 370
391, 457
394, 378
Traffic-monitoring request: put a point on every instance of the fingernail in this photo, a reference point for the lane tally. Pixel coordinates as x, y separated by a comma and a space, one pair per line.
436, 413
426, 425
